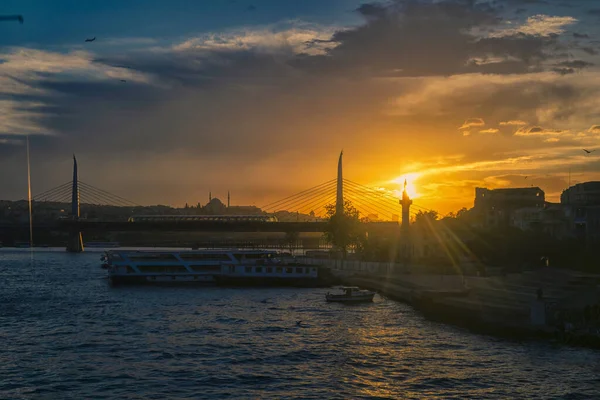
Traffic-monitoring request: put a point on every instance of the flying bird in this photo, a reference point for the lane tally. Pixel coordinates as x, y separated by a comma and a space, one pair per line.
12, 18
588, 151
91, 40
123, 80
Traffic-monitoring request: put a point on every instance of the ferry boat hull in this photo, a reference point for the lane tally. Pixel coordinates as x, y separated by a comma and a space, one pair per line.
120, 280
223, 281
210, 267
270, 282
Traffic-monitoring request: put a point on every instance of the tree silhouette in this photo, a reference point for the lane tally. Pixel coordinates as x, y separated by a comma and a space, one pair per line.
424, 217
291, 240
344, 231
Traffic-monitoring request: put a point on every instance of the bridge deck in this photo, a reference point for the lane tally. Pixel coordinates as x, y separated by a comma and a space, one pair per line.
207, 226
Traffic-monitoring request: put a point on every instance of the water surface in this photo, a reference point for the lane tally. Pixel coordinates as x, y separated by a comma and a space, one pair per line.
66, 334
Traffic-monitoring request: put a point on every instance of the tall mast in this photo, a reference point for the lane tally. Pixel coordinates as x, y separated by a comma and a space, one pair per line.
29, 197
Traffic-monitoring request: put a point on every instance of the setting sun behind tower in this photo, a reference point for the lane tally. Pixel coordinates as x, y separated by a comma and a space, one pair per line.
410, 184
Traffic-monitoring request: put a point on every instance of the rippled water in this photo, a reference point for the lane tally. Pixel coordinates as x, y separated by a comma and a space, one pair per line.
66, 334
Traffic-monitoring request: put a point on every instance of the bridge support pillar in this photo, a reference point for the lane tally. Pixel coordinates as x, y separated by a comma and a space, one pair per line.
75, 243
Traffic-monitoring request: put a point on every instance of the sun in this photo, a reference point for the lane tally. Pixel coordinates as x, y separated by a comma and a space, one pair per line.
410, 178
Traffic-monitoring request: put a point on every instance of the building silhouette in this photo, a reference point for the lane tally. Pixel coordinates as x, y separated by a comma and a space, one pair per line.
495, 207
581, 203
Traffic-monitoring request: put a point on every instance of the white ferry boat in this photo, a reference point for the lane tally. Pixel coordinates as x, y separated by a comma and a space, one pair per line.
217, 267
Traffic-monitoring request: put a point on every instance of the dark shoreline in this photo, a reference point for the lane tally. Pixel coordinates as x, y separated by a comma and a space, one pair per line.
432, 307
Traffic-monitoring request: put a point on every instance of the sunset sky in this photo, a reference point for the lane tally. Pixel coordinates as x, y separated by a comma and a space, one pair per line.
258, 97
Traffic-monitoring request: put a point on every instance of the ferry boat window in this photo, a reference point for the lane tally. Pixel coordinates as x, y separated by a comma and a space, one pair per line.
258, 269
130, 270
279, 270
313, 270
204, 257
206, 268
299, 270
162, 268
153, 257
231, 268
269, 270
289, 270
249, 256
249, 269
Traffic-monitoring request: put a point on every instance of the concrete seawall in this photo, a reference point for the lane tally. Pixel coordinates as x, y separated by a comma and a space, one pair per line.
501, 306
451, 305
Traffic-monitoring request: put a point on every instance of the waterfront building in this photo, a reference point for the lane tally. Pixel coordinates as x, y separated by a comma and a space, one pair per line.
494, 207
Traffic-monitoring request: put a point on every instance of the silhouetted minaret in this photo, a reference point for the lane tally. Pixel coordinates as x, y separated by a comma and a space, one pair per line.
405, 228
209, 197
339, 200
228, 199
405, 203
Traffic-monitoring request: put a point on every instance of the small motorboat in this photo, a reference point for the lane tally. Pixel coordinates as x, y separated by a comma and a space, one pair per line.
104, 260
351, 294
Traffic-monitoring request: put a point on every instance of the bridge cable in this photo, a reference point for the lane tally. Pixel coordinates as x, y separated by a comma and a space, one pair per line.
321, 203
51, 192
91, 187
91, 198
58, 197
303, 197
52, 189
373, 191
385, 194
394, 207
113, 197
379, 205
370, 207
291, 203
397, 208
310, 202
106, 200
103, 200
273, 204
305, 203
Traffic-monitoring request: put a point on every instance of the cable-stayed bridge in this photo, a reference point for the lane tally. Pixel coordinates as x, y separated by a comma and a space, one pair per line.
88, 195
378, 209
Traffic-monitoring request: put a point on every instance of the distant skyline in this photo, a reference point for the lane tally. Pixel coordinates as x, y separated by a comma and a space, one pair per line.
176, 99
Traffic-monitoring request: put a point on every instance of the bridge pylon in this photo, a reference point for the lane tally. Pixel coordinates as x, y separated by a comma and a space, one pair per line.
75, 243
339, 198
